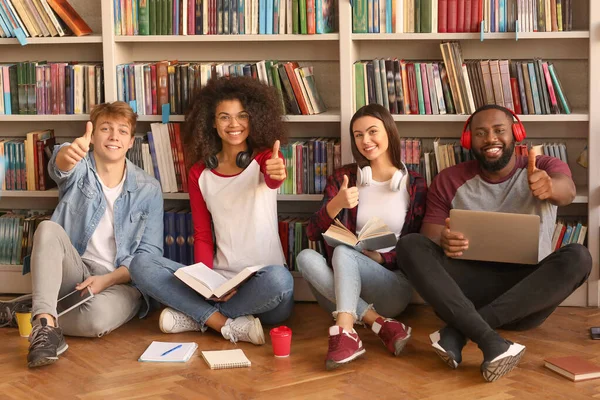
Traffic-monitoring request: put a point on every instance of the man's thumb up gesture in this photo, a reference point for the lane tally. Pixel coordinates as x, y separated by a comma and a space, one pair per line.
69, 156
275, 167
540, 182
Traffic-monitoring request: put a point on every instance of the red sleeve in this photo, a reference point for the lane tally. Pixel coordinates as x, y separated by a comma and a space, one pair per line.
261, 158
203, 236
437, 205
552, 165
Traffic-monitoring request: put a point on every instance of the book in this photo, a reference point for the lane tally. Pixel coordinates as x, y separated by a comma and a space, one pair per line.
70, 17
373, 236
168, 352
211, 284
222, 359
573, 367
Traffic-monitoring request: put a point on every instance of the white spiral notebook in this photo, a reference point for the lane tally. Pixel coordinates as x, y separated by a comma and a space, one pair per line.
222, 359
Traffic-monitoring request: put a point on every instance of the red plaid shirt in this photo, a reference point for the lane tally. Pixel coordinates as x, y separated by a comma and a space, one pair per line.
321, 221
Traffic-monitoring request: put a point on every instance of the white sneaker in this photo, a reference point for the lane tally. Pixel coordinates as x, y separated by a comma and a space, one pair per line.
245, 329
173, 321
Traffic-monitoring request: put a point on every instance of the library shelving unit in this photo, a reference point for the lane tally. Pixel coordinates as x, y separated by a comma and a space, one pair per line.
576, 55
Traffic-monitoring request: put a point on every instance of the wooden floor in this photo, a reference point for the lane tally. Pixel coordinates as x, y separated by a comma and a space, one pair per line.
107, 368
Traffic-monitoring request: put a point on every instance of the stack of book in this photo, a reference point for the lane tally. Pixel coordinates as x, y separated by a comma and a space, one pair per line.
38, 87
309, 162
149, 86
567, 231
455, 86
26, 161
35, 18
179, 236
160, 153
16, 234
450, 16
224, 17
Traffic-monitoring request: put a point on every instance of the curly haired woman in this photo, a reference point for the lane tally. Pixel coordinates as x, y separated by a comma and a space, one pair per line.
233, 133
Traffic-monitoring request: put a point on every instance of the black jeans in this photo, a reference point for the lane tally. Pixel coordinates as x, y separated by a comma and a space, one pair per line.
476, 296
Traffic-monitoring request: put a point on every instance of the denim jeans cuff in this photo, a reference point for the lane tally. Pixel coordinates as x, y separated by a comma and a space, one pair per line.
335, 314
362, 315
202, 320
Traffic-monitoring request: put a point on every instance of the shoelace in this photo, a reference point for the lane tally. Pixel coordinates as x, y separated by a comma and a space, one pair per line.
185, 322
388, 334
334, 341
6, 317
236, 330
39, 335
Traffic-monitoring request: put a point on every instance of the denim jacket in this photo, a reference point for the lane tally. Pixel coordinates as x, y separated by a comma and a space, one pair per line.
138, 211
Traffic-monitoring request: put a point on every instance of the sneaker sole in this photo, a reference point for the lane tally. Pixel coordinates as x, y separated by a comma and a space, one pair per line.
445, 356
331, 364
497, 369
160, 322
259, 328
399, 344
48, 360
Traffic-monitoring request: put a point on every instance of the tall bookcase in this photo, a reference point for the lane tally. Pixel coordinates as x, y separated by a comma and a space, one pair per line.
576, 55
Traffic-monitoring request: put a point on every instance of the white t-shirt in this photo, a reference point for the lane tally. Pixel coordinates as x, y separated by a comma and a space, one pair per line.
102, 247
378, 200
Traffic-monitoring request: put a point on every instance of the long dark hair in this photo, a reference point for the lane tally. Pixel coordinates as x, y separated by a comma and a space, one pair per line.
382, 114
259, 100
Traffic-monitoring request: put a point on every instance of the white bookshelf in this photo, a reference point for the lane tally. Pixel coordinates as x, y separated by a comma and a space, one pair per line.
576, 55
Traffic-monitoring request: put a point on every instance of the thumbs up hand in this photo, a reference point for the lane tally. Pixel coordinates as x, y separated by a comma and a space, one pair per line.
347, 197
540, 183
69, 156
275, 167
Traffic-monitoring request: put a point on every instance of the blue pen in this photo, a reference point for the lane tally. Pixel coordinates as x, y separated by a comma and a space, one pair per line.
168, 351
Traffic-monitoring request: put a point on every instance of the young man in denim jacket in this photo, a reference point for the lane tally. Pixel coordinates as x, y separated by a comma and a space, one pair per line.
109, 211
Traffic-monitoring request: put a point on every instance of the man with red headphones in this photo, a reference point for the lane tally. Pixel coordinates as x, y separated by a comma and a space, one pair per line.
476, 297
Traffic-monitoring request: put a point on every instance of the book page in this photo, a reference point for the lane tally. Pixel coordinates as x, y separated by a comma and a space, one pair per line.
374, 227
227, 286
207, 276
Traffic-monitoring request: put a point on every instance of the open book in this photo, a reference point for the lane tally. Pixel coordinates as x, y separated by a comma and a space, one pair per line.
374, 235
211, 284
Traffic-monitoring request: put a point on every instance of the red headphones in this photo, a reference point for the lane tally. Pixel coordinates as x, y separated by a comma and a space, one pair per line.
517, 127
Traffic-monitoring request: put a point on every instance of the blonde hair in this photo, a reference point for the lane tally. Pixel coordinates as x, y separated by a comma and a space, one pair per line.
115, 109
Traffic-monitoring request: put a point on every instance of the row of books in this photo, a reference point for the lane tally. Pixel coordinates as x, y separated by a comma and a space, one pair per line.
430, 161
309, 162
37, 87
224, 17
16, 234
450, 16
459, 87
26, 161
160, 154
179, 236
36, 18
149, 86
567, 232
292, 233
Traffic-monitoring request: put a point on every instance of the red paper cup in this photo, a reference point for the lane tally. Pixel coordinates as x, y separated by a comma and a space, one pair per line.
281, 339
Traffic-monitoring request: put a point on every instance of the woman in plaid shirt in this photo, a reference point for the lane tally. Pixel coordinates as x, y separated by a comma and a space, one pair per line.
361, 282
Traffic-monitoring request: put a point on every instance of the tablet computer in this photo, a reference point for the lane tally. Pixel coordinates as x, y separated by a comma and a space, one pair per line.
496, 236
73, 300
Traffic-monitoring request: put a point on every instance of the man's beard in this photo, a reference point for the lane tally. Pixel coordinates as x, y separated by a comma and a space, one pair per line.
497, 165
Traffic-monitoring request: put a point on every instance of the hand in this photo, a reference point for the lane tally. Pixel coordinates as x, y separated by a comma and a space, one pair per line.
80, 146
540, 183
226, 298
347, 197
275, 166
374, 255
96, 283
453, 243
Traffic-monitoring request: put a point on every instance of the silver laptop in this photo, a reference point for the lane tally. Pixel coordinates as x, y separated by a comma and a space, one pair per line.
500, 237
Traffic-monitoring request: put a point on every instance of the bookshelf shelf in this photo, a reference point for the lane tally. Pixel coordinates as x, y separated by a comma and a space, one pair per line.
227, 38
471, 36
45, 117
328, 116
56, 40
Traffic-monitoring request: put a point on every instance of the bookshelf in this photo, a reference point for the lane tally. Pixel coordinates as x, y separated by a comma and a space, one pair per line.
575, 54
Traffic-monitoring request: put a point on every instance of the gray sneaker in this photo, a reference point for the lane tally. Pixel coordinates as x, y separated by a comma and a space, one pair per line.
8, 308
244, 329
46, 343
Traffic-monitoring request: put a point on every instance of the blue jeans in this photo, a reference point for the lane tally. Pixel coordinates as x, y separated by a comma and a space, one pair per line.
269, 294
356, 284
